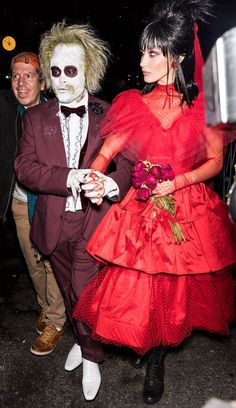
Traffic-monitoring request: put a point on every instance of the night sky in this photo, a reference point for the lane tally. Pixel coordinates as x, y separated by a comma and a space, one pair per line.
121, 27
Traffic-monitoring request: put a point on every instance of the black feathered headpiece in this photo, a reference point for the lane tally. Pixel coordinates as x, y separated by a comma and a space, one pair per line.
196, 10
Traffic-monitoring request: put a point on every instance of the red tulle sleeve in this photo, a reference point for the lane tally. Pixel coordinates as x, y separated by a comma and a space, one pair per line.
118, 129
136, 129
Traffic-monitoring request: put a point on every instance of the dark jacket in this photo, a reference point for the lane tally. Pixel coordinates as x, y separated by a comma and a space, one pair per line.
9, 133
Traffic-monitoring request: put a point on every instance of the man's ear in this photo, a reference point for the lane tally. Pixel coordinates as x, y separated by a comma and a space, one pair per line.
42, 85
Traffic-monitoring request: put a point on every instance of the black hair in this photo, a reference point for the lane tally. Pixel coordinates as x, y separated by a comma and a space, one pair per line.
172, 30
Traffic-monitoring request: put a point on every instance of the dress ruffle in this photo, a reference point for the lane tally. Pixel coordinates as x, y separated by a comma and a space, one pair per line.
129, 236
141, 311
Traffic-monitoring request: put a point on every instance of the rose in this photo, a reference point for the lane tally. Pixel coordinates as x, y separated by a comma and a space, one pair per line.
167, 172
147, 175
156, 172
151, 181
140, 165
139, 177
143, 194
136, 183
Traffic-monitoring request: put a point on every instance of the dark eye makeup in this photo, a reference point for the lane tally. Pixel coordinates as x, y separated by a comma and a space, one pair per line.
70, 71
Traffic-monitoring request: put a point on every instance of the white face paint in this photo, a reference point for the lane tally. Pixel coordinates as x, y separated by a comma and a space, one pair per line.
67, 73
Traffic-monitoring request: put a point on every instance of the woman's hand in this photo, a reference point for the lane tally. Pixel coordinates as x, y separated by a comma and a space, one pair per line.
94, 189
164, 188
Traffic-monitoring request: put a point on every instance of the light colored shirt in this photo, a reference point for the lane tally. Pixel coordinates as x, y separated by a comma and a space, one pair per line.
20, 193
74, 133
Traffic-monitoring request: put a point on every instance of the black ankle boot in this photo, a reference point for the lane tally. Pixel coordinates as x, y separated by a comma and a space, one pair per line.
154, 380
138, 361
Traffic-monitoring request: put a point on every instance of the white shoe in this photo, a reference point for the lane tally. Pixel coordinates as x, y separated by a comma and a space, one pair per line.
91, 379
74, 358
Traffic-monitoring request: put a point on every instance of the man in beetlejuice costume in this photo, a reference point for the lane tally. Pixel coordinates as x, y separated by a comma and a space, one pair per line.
60, 140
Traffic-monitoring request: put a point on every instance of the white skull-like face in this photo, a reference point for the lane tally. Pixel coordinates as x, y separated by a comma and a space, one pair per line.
68, 73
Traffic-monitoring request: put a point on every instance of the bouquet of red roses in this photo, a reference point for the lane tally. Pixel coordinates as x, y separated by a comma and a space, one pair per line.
145, 178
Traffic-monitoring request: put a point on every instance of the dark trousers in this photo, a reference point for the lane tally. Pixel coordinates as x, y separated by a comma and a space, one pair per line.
74, 268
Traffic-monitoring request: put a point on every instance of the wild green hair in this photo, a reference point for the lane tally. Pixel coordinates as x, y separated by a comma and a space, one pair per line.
96, 51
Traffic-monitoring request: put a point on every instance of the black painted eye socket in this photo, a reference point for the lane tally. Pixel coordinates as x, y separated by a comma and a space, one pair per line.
70, 71
56, 72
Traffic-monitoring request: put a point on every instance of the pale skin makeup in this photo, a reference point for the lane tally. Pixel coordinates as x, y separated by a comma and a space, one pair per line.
26, 84
68, 73
156, 67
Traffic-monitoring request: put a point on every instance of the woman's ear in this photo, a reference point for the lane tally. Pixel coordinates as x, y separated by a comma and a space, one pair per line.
178, 62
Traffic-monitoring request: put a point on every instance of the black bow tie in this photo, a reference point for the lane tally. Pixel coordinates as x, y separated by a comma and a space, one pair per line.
80, 111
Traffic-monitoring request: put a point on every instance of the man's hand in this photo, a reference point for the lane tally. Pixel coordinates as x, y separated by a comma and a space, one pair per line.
94, 187
75, 178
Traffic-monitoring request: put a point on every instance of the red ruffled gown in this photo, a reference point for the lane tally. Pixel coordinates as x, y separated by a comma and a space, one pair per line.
153, 291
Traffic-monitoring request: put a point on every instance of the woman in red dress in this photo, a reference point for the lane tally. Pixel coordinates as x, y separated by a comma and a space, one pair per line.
169, 246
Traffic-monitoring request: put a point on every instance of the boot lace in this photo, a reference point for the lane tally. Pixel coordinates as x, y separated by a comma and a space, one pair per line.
48, 334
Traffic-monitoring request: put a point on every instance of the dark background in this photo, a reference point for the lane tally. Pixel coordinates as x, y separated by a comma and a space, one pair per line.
120, 23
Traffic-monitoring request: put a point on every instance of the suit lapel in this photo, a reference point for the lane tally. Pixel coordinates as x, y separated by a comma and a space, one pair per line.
55, 130
89, 150
83, 152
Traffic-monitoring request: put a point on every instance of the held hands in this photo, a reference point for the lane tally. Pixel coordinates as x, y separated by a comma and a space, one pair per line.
94, 187
91, 181
75, 178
